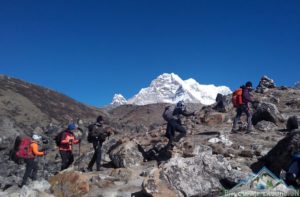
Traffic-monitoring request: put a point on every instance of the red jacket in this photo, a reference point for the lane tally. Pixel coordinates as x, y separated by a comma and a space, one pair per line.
68, 139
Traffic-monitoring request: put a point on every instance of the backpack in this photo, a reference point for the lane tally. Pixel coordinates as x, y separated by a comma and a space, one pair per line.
237, 97
58, 138
168, 113
21, 149
96, 132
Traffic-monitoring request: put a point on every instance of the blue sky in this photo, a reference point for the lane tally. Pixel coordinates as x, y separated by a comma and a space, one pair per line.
90, 50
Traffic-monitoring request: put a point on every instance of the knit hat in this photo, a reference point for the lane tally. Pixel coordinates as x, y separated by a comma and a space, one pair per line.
99, 118
248, 84
72, 126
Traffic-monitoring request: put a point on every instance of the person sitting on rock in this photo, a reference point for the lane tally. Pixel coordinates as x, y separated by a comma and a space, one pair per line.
244, 108
31, 163
293, 172
65, 148
97, 135
172, 116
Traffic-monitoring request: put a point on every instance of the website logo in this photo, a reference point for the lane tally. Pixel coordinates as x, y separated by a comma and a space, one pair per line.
264, 183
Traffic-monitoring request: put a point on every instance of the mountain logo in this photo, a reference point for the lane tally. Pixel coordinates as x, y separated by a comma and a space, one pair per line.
264, 183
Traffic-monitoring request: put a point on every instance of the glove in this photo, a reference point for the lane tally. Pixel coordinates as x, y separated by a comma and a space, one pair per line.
70, 141
45, 153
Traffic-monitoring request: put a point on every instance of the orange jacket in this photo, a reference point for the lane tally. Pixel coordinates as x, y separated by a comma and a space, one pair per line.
34, 148
68, 140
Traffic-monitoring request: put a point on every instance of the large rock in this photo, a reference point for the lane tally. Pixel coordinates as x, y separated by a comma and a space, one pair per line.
264, 84
126, 155
265, 126
213, 118
69, 183
223, 103
201, 175
280, 156
36, 189
156, 187
267, 111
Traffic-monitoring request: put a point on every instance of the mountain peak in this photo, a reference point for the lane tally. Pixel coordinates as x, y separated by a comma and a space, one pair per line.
170, 88
118, 99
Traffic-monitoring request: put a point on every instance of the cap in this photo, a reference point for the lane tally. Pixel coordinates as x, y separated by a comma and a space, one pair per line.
36, 137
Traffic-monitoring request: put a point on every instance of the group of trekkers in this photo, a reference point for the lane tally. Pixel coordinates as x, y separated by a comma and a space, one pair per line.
65, 141
172, 115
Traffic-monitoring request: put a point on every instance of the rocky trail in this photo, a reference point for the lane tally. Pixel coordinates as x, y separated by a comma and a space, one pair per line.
208, 161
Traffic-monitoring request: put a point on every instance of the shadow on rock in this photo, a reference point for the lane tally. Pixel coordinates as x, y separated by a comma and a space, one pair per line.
158, 153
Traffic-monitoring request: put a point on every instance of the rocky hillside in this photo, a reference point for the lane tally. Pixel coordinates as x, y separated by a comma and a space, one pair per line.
24, 107
208, 161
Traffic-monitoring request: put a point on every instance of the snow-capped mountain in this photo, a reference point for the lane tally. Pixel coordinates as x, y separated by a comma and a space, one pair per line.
170, 88
118, 100
297, 85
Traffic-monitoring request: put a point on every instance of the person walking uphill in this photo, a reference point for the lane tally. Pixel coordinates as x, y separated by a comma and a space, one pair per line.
242, 106
65, 148
31, 164
97, 135
172, 116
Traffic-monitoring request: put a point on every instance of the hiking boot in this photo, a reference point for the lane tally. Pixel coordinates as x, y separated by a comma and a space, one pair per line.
249, 130
100, 169
234, 130
89, 169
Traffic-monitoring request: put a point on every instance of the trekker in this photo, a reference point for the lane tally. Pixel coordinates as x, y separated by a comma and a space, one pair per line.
244, 108
31, 163
66, 144
172, 116
97, 135
293, 172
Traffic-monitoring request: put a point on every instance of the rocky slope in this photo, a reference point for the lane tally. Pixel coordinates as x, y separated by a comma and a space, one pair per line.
209, 160
26, 108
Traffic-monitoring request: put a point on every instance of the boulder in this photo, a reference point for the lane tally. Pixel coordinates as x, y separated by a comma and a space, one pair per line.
267, 111
36, 189
265, 126
265, 84
201, 175
69, 183
222, 103
279, 157
156, 187
126, 155
213, 118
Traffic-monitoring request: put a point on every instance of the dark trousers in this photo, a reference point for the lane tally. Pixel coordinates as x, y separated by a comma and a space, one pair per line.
172, 126
239, 111
67, 159
96, 156
31, 170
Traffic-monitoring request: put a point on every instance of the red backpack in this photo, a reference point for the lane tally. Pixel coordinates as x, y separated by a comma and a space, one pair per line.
23, 148
237, 97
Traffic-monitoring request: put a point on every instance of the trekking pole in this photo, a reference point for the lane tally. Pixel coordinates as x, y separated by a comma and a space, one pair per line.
79, 147
44, 163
